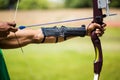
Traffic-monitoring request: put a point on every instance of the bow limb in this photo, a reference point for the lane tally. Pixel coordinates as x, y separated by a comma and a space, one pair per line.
98, 55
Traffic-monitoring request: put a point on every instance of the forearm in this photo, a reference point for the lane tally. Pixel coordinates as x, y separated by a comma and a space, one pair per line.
25, 36
63, 33
43, 35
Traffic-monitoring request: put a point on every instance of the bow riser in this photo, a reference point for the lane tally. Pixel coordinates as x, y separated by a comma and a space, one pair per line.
97, 13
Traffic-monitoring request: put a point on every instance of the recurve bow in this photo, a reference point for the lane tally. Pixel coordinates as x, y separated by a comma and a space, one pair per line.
98, 16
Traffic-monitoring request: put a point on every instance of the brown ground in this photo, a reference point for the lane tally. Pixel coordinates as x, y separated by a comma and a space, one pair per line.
43, 16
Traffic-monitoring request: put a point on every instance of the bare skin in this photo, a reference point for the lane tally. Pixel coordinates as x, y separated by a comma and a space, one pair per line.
28, 36
6, 28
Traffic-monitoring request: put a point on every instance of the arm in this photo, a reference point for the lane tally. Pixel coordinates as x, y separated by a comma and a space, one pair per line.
49, 35
26, 36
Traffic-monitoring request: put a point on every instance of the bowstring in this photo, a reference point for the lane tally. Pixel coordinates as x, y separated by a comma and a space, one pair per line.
14, 19
16, 10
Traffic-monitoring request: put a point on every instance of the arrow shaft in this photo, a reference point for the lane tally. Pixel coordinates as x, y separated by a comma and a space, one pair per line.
58, 22
65, 21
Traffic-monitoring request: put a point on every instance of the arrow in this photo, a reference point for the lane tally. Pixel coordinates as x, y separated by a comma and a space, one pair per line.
65, 21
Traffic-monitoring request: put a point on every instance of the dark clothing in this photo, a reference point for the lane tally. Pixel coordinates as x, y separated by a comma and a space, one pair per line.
3, 69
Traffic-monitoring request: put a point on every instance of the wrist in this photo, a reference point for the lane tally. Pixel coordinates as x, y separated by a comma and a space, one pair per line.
88, 31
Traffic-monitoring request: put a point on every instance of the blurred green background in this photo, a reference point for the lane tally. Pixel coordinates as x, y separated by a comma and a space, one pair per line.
47, 4
69, 60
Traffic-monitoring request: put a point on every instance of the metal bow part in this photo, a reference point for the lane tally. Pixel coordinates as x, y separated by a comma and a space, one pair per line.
98, 5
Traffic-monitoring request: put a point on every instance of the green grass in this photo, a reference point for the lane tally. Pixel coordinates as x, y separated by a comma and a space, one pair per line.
69, 60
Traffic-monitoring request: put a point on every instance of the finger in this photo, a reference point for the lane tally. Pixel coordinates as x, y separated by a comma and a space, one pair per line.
12, 29
104, 25
11, 24
101, 27
97, 26
4, 33
99, 32
99, 35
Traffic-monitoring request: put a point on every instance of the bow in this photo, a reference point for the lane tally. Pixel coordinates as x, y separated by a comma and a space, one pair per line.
98, 16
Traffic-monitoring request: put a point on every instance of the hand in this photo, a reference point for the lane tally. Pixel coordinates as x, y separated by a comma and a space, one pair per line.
6, 28
99, 29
